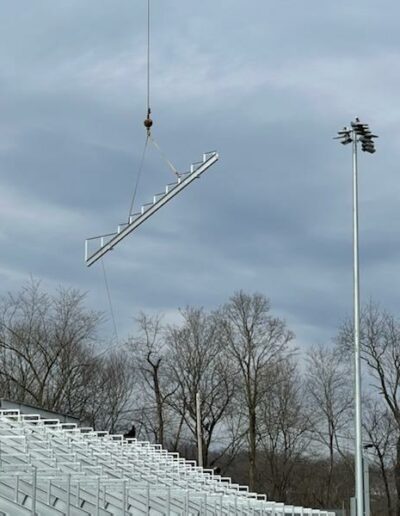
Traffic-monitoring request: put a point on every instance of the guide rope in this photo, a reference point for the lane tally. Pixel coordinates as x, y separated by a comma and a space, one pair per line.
110, 302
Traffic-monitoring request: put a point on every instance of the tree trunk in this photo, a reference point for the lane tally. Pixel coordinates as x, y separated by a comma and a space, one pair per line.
397, 475
252, 450
329, 486
159, 405
386, 483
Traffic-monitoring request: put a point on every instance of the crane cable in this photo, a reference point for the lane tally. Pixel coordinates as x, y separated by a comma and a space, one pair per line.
148, 57
148, 122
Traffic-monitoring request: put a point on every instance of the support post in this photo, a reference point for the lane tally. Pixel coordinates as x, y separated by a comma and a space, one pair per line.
34, 490
366, 486
124, 497
352, 506
198, 428
68, 508
98, 497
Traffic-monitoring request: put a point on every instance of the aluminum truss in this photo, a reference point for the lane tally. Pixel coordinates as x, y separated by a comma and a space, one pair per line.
104, 243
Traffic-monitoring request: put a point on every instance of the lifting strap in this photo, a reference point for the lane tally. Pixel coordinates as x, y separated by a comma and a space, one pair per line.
138, 176
167, 161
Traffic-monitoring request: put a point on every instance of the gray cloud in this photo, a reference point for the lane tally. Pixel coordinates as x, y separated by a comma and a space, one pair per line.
267, 85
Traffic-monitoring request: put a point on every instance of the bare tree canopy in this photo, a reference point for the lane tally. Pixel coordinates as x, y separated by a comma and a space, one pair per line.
329, 387
44, 340
48, 356
148, 350
257, 342
284, 430
380, 349
271, 416
198, 364
380, 430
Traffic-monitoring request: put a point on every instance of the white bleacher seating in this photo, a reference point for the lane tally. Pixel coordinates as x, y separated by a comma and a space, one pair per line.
48, 468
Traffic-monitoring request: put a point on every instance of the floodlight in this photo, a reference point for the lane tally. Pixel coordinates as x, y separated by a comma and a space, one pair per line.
368, 147
344, 135
346, 141
367, 143
360, 128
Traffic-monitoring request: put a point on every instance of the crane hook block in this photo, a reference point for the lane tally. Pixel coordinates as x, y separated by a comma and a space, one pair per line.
148, 122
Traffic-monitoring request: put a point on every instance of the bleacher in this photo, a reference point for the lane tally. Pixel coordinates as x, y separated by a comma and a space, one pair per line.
48, 467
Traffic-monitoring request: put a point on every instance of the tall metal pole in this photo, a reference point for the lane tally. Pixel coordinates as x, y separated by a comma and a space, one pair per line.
359, 485
357, 132
198, 427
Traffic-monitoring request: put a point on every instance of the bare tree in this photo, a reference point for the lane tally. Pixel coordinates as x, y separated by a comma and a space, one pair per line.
256, 342
283, 428
380, 429
149, 352
107, 397
329, 388
380, 349
48, 357
45, 342
199, 365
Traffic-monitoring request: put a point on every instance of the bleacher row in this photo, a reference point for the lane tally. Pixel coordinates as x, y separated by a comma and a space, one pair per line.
53, 468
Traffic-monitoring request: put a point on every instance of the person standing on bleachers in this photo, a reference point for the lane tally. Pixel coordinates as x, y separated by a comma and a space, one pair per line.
131, 434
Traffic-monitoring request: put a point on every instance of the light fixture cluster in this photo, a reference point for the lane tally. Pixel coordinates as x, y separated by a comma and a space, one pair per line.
358, 132
344, 135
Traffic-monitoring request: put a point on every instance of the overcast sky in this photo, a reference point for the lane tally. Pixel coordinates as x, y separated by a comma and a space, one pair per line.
267, 83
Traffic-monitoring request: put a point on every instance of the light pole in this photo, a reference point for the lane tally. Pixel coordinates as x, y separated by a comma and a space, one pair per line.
355, 134
199, 432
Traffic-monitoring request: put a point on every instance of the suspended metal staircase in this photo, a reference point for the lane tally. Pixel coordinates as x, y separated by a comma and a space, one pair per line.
98, 246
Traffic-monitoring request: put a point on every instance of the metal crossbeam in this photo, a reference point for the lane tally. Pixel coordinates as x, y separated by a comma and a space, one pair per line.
108, 242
